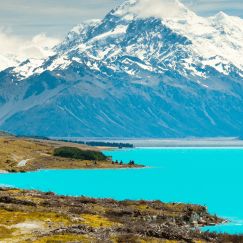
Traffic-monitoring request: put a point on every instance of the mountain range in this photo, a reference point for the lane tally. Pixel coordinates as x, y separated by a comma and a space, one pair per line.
135, 73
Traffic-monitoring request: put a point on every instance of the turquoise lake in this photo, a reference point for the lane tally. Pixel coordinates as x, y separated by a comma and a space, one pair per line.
210, 177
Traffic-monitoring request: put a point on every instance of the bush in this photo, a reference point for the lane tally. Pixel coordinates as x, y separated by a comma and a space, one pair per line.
76, 153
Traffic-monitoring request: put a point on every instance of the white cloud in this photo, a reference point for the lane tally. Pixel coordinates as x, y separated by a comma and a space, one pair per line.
37, 47
159, 8
14, 49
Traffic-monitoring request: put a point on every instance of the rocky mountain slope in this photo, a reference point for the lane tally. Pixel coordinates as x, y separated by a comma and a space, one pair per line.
136, 73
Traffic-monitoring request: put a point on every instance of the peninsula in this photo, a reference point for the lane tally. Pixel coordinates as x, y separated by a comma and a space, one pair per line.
19, 154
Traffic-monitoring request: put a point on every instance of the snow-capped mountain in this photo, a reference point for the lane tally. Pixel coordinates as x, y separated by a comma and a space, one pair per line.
215, 41
141, 71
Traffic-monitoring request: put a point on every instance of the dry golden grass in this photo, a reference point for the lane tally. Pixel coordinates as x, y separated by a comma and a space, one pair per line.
64, 239
6, 232
10, 218
13, 150
97, 221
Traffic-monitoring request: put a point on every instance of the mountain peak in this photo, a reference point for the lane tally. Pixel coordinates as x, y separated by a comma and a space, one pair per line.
164, 9
221, 16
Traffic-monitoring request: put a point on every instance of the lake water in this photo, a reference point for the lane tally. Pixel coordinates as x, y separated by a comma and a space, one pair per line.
210, 177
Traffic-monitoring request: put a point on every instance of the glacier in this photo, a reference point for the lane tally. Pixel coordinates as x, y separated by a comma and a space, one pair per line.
134, 73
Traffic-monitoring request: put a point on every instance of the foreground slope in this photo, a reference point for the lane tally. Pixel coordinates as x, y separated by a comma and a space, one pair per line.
31, 216
133, 74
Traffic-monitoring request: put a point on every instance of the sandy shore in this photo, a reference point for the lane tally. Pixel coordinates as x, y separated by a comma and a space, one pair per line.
3, 172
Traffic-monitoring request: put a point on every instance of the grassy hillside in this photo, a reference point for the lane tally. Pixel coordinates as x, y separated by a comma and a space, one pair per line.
23, 154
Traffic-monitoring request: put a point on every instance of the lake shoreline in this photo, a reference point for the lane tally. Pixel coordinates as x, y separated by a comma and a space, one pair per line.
169, 142
108, 166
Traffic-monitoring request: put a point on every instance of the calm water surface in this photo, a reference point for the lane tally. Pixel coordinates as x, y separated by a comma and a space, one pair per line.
210, 177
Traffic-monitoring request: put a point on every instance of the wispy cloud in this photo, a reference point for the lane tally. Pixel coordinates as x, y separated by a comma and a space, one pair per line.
158, 8
38, 46
58, 16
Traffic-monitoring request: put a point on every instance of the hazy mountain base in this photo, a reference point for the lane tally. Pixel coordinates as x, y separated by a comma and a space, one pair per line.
163, 143
119, 107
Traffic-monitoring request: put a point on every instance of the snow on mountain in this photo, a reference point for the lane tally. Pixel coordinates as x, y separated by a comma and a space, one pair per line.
220, 35
149, 68
215, 41
76, 35
27, 68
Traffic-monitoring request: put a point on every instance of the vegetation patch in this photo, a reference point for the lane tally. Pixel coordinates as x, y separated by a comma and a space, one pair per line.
6, 232
11, 218
97, 221
76, 153
66, 238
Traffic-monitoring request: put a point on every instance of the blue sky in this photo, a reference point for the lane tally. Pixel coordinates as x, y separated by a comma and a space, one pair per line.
27, 18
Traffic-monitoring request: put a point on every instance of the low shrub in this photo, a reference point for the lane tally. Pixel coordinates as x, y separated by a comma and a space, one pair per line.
76, 153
